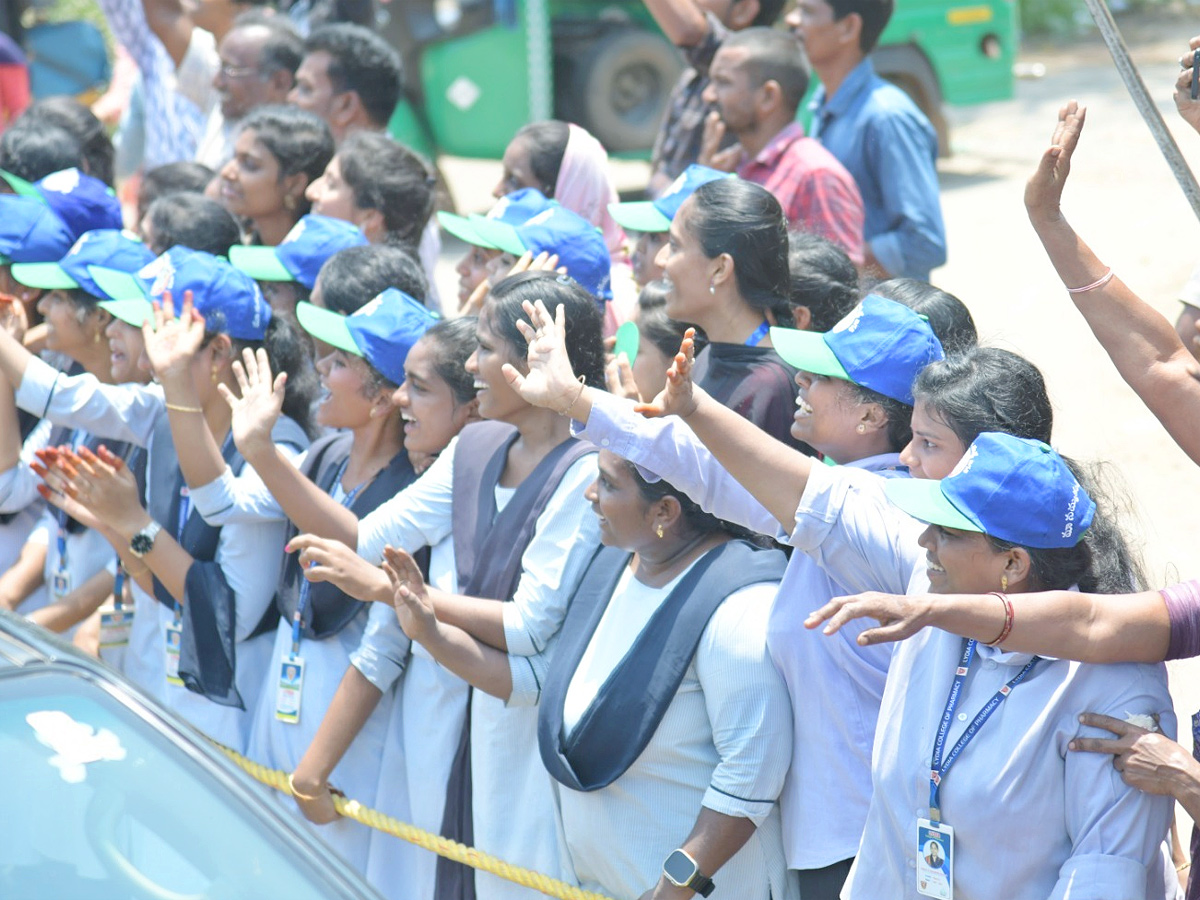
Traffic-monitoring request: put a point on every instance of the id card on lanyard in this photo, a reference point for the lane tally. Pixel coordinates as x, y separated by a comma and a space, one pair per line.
174, 633
291, 668
116, 620
935, 838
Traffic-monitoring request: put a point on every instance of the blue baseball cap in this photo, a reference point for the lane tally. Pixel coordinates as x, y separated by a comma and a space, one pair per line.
30, 231
656, 215
82, 202
1015, 489
229, 300
300, 256
577, 242
381, 332
516, 208
880, 344
103, 247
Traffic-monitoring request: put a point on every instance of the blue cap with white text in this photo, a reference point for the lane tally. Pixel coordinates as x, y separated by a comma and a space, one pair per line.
103, 247
82, 202
301, 254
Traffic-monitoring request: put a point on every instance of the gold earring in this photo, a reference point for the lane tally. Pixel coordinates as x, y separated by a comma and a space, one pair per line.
659, 530
96, 338
1003, 583
862, 429
213, 375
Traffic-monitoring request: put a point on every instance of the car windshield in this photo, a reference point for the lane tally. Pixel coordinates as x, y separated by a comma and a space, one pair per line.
100, 804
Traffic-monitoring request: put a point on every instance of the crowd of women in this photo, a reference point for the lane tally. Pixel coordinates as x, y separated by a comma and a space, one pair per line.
553, 584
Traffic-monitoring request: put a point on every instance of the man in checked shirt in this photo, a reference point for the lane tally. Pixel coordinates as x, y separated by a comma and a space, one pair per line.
757, 80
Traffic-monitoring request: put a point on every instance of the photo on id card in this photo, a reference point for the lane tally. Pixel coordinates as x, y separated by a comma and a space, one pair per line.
935, 860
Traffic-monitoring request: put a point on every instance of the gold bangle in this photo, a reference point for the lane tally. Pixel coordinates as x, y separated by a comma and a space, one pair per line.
298, 795
567, 410
178, 408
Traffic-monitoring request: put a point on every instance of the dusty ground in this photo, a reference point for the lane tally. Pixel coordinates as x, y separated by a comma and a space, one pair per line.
1123, 200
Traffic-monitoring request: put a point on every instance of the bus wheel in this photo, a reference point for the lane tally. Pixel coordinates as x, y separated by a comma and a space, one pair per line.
620, 87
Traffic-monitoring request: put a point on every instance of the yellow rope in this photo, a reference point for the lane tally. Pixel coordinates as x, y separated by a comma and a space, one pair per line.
452, 850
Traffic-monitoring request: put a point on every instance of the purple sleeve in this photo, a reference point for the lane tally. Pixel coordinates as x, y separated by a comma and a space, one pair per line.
1183, 612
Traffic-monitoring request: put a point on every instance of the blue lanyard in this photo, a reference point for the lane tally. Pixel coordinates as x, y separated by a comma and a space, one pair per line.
305, 586
938, 768
759, 333
119, 586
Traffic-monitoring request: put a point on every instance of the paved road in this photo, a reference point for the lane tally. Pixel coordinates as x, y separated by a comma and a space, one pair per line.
1124, 201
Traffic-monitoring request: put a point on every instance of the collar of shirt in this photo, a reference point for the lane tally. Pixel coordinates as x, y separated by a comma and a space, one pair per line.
858, 81
769, 155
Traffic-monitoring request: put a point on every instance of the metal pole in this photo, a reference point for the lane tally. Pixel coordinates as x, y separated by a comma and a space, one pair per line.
1142, 100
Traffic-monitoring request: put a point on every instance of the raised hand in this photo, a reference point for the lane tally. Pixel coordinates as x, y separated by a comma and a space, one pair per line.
410, 595
677, 398
102, 484
258, 408
14, 319
550, 381
172, 342
324, 559
1043, 192
899, 616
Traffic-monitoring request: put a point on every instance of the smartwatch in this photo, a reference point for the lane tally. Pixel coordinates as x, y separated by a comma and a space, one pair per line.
143, 542
681, 870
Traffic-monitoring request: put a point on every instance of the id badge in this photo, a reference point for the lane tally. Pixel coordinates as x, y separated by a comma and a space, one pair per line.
61, 583
174, 640
291, 684
935, 859
115, 625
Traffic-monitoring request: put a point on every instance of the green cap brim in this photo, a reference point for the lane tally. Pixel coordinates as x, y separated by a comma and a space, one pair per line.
20, 186
116, 284
923, 499
639, 216
48, 276
808, 351
132, 312
326, 325
497, 235
260, 263
463, 229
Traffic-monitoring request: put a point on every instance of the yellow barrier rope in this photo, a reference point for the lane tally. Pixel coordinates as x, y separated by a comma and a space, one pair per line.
452, 850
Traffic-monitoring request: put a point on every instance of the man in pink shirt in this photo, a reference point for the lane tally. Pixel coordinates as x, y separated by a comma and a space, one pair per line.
757, 80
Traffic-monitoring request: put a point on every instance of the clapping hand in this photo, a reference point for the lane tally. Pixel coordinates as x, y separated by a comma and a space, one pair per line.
96, 489
410, 595
678, 397
258, 408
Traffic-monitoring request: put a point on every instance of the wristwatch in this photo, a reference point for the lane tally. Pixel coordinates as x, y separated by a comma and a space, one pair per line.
682, 871
143, 542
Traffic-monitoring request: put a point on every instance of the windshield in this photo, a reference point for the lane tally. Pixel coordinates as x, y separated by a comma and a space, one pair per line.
99, 804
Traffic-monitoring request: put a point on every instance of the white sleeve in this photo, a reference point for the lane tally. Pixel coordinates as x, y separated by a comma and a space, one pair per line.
18, 486
419, 516
229, 499
120, 412
383, 652
563, 540
748, 706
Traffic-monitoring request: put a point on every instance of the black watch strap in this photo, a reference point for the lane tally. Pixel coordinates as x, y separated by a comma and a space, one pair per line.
701, 884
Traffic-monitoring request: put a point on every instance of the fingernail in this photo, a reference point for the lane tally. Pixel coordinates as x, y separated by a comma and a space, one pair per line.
1081, 719
1071, 746
287, 548
44, 491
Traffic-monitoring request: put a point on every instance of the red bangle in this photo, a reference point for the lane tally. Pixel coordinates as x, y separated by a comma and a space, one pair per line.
1008, 620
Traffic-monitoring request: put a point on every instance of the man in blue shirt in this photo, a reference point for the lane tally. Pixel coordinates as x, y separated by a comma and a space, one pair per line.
877, 133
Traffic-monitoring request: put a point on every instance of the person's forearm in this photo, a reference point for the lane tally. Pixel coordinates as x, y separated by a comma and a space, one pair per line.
480, 618
774, 473
13, 359
167, 560
311, 509
1187, 791
200, 458
171, 25
24, 577
352, 705
1095, 628
714, 840
77, 605
682, 21
472, 660
10, 428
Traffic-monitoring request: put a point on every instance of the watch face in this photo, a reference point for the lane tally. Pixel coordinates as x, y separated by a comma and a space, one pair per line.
141, 544
679, 868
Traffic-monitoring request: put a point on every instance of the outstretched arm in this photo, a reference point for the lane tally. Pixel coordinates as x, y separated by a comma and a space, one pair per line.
1097, 628
774, 473
1142, 344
